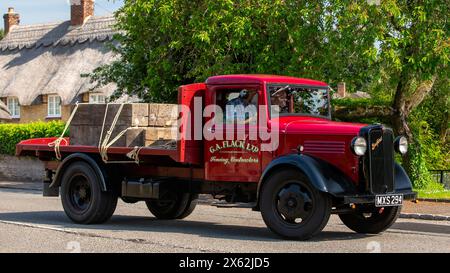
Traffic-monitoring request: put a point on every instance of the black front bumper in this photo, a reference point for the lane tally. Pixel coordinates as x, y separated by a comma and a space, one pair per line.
370, 198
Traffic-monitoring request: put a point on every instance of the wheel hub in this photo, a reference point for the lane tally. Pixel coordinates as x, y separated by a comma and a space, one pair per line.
80, 193
293, 203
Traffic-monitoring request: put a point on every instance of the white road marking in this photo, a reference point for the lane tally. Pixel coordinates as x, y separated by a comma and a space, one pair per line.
87, 234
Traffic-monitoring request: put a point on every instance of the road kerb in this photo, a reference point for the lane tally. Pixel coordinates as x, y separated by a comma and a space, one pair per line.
420, 216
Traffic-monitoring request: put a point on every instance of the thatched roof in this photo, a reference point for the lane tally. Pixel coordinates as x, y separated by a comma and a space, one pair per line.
49, 59
4, 113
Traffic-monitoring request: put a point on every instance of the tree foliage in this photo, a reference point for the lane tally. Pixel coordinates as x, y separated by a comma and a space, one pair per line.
1, 34
168, 43
398, 50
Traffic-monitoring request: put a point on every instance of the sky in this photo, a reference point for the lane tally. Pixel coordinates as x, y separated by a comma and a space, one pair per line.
46, 11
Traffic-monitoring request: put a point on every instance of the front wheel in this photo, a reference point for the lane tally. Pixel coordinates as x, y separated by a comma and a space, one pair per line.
371, 220
173, 205
291, 207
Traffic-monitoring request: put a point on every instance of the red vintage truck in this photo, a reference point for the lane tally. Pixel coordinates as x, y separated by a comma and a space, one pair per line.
316, 167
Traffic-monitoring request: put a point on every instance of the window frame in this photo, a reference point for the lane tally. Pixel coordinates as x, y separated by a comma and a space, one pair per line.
269, 101
15, 106
230, 90
96, 100
52, 102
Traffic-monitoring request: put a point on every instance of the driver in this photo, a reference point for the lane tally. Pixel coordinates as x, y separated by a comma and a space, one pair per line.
279, 98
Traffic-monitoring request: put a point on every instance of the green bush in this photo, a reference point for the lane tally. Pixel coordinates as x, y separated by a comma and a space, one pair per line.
363, 102
11, 134
426, 154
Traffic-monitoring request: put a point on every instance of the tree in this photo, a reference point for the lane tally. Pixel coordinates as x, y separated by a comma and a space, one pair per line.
415, 45
1, 34
398, 50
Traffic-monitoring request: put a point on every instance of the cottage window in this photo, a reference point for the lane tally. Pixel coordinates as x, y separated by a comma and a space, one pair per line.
54, 106
13, 107
96, 98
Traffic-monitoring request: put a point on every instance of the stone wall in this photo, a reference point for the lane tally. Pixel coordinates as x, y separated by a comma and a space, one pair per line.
26, 169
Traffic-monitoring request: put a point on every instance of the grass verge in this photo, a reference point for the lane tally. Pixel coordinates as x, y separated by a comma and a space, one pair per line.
433, 190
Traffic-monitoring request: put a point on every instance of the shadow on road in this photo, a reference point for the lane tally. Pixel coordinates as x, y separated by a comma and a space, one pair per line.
199, 228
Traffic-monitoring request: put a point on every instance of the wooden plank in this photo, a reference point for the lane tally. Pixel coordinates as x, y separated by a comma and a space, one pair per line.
88, 135
132, 115
86, 127
162, 115
156, 133
134, 137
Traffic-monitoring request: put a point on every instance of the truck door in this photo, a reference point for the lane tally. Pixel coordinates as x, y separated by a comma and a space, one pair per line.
234, 152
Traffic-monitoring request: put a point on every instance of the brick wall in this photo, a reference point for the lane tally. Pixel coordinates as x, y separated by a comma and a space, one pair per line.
39, 112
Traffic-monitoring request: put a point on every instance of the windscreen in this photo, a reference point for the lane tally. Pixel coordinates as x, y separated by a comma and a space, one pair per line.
296, 99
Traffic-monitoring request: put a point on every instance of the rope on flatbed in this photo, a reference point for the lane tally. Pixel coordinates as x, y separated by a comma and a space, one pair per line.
57, 143
134, 154
105, 143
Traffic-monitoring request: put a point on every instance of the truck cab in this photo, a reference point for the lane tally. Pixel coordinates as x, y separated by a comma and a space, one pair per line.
265, 141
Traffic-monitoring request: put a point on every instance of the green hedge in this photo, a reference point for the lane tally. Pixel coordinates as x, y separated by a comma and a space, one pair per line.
363, 102
11, 134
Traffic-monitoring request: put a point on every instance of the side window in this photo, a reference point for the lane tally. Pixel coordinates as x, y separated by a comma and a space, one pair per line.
239, 106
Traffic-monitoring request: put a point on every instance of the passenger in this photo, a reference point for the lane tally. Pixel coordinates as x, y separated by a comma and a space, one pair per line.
241, 110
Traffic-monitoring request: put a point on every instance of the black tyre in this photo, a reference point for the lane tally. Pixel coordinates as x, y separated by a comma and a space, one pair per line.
371, 220
82, 198
291, 207
173, 205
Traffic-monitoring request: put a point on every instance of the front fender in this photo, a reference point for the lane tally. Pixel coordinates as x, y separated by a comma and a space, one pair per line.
323, 176
402, 181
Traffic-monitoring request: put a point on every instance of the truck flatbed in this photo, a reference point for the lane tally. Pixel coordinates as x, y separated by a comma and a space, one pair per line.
40, 147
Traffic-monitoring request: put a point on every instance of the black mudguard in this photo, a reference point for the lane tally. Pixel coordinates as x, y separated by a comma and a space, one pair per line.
79, 157
323, 176
402, 181
327, 178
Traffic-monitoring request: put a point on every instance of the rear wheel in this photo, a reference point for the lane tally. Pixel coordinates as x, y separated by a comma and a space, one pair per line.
82, 198
291, 207
173, 205
371, 220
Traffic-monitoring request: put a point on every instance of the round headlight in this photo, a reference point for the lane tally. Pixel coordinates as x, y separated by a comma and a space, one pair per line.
359, 146
401, 145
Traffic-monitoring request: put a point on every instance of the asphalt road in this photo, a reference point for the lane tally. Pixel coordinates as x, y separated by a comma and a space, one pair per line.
32, 223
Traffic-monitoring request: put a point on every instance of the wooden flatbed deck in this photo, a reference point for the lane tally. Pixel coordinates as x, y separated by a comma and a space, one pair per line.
39, 147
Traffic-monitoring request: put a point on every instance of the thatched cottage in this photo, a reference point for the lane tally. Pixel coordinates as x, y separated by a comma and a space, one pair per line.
41, 65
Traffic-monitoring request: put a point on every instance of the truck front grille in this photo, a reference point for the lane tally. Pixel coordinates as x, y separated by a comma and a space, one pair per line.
380, 160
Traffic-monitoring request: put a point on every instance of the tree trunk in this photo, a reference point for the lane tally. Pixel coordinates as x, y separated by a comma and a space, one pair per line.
400, 123
404, 104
